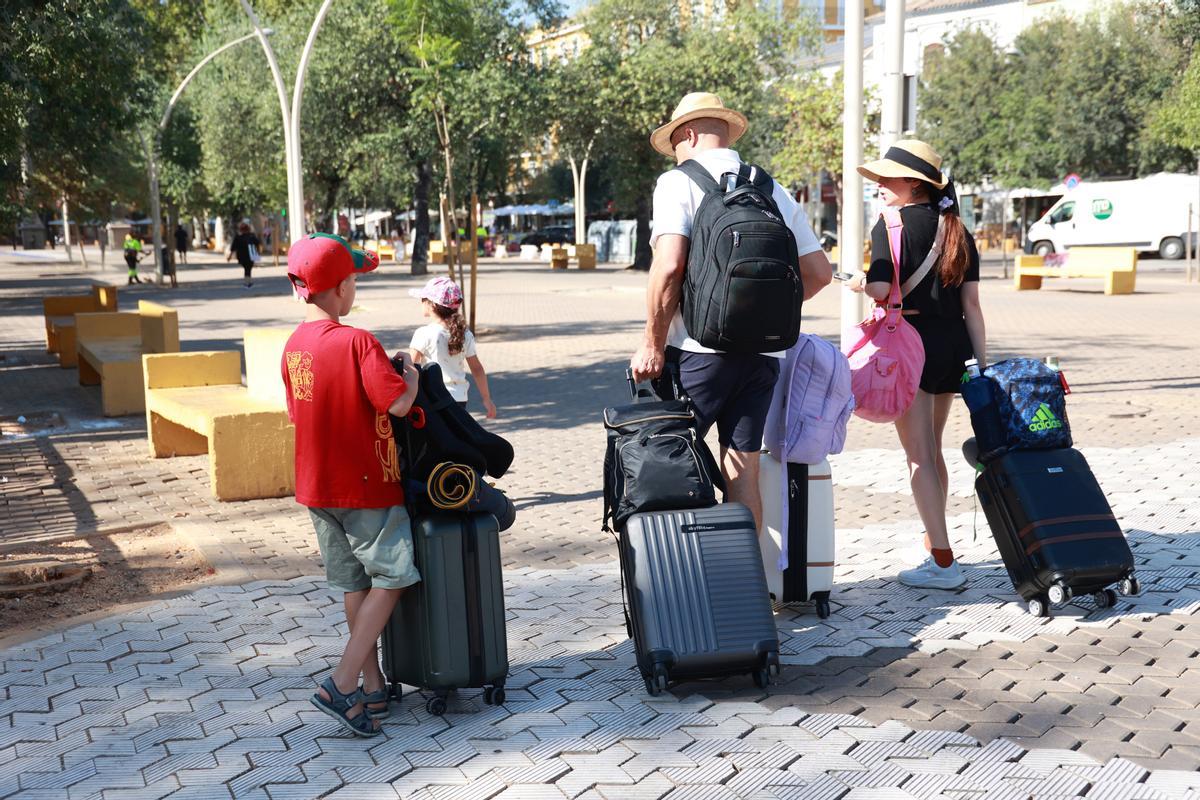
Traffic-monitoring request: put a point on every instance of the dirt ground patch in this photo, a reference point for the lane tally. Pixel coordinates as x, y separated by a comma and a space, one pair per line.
126, 566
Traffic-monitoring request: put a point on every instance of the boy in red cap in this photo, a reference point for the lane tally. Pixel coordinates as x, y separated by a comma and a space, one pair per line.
340, 390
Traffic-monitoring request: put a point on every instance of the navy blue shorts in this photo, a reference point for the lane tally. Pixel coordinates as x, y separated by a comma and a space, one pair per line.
730, 390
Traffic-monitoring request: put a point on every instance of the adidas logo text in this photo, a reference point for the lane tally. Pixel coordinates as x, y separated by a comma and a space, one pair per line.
1044, 420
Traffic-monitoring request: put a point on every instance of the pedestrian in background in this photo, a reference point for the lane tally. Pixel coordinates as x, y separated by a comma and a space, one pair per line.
181, 243
245, 246
132, 246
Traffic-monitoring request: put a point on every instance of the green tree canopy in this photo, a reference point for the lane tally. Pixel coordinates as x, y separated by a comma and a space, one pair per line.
1072, 95
647, 54
71, 81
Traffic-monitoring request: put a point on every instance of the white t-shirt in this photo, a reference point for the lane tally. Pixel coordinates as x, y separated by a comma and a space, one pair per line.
432, 341
676, 198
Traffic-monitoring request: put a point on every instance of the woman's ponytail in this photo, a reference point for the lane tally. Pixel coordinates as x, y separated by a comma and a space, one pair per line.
455, 325
956, 257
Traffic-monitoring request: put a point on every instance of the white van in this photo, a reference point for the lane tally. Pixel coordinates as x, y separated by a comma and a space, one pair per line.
1149, 214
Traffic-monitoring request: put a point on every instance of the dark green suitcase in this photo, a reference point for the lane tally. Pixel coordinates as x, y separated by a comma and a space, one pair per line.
447, 631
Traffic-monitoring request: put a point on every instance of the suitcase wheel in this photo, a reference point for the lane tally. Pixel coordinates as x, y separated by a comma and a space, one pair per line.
823, 609
762, 677
1130, 586
1058, 594
1039, 607
1105, 599
493, 696
436, 706
657, 681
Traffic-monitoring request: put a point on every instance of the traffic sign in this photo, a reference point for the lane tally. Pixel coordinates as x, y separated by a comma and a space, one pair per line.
1072, 180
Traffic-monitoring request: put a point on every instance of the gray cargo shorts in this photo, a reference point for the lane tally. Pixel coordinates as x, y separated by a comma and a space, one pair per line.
365, 548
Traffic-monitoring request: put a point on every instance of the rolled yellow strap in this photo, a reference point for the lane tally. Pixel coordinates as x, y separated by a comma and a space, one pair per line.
451, 486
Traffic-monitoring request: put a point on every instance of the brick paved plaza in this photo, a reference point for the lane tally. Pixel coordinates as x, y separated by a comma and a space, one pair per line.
901, 693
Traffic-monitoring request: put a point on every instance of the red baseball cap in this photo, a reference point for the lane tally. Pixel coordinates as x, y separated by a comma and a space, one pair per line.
321, 261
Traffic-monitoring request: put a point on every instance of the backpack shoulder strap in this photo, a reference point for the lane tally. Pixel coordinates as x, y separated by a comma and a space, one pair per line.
699, 176
763, 180
934, 253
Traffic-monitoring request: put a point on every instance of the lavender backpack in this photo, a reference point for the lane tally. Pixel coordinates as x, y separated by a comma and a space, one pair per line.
811, 404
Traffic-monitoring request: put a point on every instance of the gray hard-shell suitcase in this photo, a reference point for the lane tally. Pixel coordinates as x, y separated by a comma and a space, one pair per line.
698, 602
447, 631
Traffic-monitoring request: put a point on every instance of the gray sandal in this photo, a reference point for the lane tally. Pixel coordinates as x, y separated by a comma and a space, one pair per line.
375, 698
338, 706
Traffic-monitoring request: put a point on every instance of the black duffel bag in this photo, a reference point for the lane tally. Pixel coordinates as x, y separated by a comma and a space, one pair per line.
655, 459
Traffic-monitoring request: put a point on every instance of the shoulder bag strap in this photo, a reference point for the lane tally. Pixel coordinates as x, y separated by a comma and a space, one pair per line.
700, 176
934, 253
891, 218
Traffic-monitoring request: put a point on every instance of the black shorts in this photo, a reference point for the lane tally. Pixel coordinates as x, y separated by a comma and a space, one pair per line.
947, 347
732, 390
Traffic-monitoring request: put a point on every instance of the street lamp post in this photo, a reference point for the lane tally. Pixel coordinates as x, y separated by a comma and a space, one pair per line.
291, 116
154, 146
851, 238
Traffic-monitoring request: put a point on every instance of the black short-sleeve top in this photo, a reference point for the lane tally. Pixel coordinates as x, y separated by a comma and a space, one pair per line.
931, 297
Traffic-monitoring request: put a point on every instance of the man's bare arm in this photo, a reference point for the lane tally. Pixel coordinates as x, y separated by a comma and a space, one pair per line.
816, 273
662, 299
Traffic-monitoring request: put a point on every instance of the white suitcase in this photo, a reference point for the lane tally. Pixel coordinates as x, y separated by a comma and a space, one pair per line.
809, 498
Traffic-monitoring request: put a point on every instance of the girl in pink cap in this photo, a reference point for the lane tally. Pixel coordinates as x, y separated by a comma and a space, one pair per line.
448, 343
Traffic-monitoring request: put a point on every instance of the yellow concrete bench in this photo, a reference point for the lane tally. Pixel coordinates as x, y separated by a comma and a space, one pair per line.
584, 255
196, 404
110, 346
382, 247
60, 318
1116, 265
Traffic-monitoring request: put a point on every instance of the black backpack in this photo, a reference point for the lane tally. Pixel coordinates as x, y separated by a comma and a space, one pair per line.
742, 290
655, 459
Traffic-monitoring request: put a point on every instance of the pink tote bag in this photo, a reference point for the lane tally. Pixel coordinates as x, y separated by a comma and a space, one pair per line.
887, 359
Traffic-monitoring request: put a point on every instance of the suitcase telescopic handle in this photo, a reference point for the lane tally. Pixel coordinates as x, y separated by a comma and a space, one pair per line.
670, 372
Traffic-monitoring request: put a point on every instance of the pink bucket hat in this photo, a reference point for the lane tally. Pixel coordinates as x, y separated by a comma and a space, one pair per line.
442, 291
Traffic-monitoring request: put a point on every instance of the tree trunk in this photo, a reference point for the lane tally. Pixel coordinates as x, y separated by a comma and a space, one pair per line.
330, 208
642, 254
169, 240
420, 225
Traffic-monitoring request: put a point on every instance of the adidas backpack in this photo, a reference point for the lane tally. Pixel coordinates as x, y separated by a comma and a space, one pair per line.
1031, 399
811, 404
742, 289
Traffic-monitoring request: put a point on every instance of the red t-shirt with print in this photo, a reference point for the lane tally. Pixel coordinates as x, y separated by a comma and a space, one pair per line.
340, 385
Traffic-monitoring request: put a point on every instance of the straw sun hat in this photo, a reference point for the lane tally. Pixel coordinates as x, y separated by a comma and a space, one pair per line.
907, 158
697, 105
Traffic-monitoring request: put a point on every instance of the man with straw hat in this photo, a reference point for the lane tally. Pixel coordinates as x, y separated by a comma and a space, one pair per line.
730, 390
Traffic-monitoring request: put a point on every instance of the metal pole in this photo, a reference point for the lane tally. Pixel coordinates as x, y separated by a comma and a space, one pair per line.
67, 231
473, 221
295, 192
1004, 235
851, 239
296, 212
153, 149
1187, 245
892, 127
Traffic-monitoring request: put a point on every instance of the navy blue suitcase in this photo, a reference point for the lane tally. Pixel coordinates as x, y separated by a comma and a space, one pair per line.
1054, 528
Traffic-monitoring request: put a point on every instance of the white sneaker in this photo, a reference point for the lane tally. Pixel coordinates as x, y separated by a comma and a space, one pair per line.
928, 575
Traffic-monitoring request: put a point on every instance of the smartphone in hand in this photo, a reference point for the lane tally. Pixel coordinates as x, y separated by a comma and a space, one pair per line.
842, 276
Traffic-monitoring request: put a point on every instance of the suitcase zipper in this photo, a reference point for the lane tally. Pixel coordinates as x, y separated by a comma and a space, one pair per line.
640, 420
